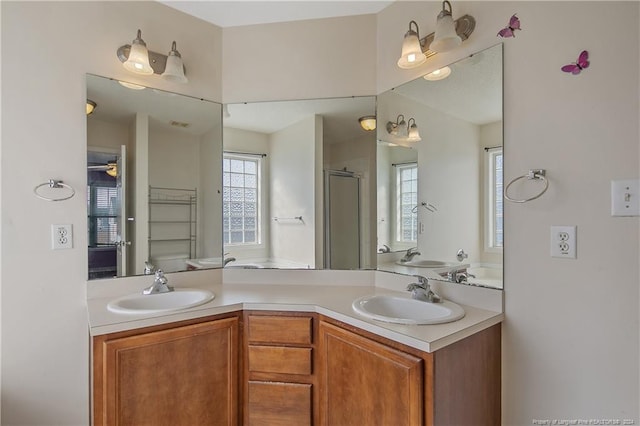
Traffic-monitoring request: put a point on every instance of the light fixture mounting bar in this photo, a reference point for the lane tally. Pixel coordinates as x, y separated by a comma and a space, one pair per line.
158, 61
464, 27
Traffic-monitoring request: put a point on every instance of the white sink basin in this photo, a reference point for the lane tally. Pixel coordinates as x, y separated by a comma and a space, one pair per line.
243, 266
404, 310
211, 261
425, 264
181, 298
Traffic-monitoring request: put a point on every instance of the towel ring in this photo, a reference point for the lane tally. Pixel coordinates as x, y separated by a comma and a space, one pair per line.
534, 174
54, 184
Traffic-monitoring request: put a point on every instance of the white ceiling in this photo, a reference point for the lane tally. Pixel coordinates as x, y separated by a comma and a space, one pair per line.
239, 12
473, 91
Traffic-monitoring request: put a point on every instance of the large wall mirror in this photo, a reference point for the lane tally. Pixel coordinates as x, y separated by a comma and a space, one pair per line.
440, 190
299, 184
153, 179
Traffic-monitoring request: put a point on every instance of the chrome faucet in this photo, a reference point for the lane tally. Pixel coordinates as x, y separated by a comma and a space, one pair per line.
385, 249
227, 260
459, 275
148, 268
410, 254
159, 284
422, 290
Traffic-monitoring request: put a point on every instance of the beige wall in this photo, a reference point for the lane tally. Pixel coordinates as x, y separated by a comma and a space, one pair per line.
293, 192
570, 344
47, 48
322, 58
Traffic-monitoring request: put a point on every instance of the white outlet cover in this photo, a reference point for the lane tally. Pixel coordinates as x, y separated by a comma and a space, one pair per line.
61, 237
625, 197
563, 242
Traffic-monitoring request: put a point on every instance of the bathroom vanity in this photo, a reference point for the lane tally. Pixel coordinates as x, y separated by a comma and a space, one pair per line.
292, 355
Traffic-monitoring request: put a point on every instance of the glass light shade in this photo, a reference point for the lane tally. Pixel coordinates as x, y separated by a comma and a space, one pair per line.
412, 55
90, 106
414, 135
131, 86
368, 122
138, 60
112, 170
439, 74
174, 70
445, 38
401, 130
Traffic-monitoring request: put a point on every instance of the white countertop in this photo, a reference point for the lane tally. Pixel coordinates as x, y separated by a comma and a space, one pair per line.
333, 301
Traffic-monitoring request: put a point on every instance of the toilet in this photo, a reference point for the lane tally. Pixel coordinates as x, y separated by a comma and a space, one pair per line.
170, 262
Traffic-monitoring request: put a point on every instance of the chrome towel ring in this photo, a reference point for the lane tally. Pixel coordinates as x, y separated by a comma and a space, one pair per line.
54, 184
534, 174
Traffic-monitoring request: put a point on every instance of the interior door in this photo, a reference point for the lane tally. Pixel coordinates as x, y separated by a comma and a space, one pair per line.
122, 243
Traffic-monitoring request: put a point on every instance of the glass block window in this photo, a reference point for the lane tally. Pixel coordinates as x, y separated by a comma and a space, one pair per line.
240, 199
495, 223
407, 200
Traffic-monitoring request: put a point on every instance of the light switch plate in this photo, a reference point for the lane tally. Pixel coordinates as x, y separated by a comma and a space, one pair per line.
625, 197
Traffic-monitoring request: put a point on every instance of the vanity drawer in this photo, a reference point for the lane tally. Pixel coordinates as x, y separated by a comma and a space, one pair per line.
280, 329
275, 359
273, 403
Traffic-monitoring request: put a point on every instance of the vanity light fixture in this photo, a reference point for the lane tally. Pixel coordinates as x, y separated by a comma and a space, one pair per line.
174, 70
90, 106
412, 55
368, 122
439, 74
403, 131
414, 135
399, 128
136, 58
462, 28
445, 38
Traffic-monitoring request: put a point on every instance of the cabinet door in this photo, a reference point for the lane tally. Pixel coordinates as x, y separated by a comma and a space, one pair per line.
279, 404
182, 376
363, 382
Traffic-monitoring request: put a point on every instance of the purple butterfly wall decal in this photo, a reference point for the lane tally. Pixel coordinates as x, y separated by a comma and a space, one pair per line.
509, 30
576, 67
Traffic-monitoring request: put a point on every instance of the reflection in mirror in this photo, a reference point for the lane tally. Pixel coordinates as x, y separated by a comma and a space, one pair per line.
153, 176
299, 184
440, 198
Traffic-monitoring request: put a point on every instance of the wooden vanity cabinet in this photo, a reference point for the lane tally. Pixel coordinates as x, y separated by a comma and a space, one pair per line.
176, 374
369, 380
288, 368
280, 382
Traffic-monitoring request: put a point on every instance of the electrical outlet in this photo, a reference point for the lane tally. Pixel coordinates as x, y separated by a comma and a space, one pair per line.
61, 237
563, 241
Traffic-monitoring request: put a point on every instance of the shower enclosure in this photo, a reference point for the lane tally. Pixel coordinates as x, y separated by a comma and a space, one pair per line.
342, 219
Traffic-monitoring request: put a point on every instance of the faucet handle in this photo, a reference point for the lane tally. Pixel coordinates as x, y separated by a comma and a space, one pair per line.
160, 277
461, 255
423, 281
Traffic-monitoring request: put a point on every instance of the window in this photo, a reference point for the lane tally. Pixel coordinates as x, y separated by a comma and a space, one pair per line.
104, 205
241, 199
407, 200
494, 188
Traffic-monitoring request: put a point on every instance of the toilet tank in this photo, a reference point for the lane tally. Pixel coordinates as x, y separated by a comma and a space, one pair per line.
170, 262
